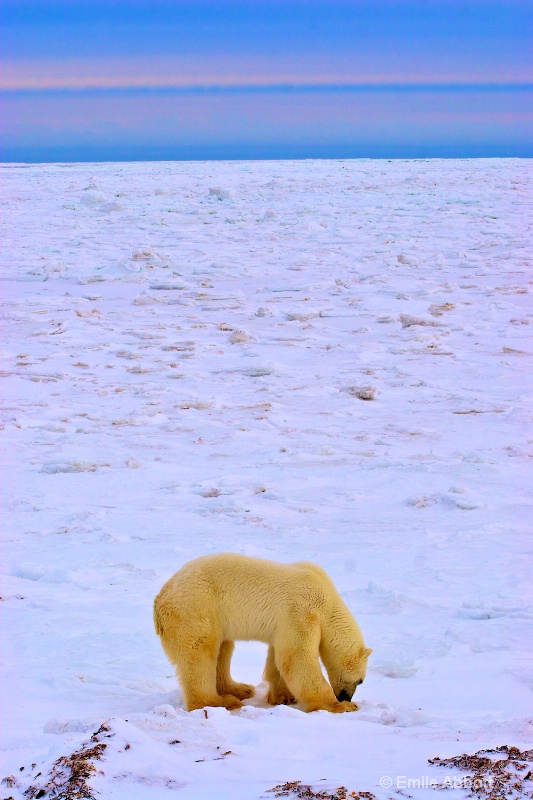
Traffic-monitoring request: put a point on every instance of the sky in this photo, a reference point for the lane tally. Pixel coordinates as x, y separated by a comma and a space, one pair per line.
160, 80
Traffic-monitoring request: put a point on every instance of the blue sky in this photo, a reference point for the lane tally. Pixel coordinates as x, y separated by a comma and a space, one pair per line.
126, 80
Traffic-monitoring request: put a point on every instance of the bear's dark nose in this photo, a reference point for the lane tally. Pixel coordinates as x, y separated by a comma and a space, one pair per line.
343, 695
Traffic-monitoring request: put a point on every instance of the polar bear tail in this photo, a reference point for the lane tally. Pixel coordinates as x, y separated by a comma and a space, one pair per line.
157, 620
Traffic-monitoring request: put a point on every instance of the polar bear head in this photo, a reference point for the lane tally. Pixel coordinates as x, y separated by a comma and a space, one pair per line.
348, 673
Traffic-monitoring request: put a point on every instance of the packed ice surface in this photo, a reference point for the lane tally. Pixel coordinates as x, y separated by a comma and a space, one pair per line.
320, 360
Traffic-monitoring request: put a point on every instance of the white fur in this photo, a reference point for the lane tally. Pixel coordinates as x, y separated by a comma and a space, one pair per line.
295, 608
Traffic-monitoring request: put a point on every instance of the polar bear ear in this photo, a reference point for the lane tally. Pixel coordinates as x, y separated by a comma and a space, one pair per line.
368, 651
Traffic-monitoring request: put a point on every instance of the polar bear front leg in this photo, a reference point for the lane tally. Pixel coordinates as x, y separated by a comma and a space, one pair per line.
296, 656
278, 691
225, 683
197, 672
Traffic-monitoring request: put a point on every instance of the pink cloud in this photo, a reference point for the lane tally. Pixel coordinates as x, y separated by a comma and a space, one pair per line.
318, 117
239, 71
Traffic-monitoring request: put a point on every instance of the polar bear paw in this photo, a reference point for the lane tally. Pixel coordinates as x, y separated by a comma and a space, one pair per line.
220, 701
343, 706
335, 707
241, 690
279, 697
230, 702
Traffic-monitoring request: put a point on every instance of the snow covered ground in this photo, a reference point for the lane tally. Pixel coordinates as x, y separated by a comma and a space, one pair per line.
320, 360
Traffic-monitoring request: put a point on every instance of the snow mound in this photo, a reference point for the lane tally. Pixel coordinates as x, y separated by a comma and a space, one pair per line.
217, 193
92, 198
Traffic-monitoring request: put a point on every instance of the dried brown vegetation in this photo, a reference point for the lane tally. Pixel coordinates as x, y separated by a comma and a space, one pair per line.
300, 791
69, 776
503, 772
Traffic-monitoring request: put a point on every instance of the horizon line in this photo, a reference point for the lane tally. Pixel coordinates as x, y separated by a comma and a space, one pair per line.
289, 85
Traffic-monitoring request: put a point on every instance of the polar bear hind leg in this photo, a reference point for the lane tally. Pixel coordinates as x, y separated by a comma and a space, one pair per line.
197, 674
225, 683
194, 651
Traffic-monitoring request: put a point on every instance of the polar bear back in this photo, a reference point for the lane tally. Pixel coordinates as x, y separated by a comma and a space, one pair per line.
209, 590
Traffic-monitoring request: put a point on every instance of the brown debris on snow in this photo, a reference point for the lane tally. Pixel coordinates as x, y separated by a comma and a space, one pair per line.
69, 776
300, 791
366, 392
493, 778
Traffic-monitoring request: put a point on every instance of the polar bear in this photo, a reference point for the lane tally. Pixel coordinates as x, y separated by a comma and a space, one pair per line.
217, 599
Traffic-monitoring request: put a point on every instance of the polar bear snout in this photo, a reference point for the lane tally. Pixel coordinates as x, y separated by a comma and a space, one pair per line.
346, 694
348, 690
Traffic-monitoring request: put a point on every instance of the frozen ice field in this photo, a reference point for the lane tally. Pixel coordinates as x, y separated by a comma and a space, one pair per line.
320, 360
